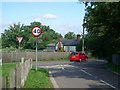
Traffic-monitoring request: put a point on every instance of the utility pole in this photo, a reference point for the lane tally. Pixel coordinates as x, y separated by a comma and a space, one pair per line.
83, 39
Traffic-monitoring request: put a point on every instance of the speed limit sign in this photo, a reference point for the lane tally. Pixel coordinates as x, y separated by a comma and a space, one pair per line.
36, 31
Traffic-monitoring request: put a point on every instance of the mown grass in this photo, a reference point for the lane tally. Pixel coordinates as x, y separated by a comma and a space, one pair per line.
6, 69
5, 72
113, 67
38, 79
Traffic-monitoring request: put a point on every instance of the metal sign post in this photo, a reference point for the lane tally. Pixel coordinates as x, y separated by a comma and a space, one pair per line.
36, 51
36, 31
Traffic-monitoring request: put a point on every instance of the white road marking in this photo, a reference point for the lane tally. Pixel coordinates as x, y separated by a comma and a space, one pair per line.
100, 80
57, 66
86, 72
109, 84
53, 80
63, 68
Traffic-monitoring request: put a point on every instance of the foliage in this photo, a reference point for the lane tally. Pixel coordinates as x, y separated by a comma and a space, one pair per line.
38, 79
0, 43
70, 35
9, 36
79, 46
113, 67
102, 22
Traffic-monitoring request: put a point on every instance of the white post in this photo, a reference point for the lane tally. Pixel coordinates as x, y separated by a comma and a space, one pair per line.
0, 62
22, 60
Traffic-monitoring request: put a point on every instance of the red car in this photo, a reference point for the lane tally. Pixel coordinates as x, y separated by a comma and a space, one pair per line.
78, 56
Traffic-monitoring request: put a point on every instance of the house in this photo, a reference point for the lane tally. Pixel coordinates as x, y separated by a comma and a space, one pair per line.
51, 47
67, 45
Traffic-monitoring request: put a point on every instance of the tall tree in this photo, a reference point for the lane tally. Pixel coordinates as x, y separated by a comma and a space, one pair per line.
103, 24
9, 36
70, 35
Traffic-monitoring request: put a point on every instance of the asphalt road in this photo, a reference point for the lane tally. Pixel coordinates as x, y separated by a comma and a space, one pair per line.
91, 74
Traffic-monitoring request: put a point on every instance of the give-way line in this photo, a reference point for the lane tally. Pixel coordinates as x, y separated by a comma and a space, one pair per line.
57, 66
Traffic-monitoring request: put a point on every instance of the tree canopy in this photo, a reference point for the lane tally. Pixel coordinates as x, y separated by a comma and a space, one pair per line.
70, 35
9, 36
102, 22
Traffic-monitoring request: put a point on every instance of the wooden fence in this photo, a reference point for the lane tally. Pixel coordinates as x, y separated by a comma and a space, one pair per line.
4, 82
18, 75
9, 57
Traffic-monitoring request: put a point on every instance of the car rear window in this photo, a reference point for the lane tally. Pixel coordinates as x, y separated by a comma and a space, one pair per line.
74, 54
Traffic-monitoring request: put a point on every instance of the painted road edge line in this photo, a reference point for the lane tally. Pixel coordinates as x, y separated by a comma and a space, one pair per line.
100, 80
86, 72
55, 85
109, 84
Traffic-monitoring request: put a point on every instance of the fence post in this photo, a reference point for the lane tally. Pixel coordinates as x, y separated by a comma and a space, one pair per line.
3, 82
7, 83
18, 76
22, 60
22, 71
30, 62
0, 63
12, 78
0, 82
0, 74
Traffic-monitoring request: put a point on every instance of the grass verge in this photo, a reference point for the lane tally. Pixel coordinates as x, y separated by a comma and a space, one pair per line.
113, 67
38, 79
6, 72
6, 69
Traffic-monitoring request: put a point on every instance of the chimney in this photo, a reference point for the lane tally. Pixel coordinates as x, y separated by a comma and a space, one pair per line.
78, 36
60, 37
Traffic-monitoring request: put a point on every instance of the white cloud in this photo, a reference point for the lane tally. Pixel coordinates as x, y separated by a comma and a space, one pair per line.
45, 17
49, 16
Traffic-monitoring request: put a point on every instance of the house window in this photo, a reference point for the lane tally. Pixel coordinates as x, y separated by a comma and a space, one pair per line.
70, 48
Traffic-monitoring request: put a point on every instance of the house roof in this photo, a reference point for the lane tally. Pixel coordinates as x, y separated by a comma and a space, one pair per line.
51, 44
67, 42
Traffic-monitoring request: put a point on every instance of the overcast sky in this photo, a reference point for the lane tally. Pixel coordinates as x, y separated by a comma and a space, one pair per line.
60, 16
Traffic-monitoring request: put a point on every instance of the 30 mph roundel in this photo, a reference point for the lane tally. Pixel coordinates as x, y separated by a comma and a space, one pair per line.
36, 31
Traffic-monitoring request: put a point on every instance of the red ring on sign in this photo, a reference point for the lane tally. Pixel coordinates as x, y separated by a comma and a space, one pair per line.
33, 31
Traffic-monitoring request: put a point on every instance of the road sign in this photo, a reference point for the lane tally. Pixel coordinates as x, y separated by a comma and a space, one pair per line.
36, 31
19, 38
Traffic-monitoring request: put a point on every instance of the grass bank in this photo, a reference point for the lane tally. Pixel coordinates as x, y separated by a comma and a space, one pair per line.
113, 67
38, 79
6, 69
5, 72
